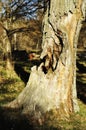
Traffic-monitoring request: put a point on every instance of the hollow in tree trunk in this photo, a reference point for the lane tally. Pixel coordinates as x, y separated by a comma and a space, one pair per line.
52, 85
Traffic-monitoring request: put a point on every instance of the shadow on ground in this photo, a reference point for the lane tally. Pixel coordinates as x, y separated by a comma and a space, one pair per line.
12, 120
81, 76
24, 75
20, 71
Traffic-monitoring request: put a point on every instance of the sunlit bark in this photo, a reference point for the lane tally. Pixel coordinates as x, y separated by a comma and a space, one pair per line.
52, 85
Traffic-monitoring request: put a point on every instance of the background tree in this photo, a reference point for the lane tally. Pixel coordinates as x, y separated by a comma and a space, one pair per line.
20, 18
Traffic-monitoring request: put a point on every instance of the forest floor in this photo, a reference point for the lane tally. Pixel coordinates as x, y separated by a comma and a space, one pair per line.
11, 86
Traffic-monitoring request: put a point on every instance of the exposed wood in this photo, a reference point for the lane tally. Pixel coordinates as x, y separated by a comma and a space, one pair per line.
52, 84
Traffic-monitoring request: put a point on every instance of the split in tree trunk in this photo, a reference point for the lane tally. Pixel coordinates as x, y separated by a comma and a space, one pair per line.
53, 84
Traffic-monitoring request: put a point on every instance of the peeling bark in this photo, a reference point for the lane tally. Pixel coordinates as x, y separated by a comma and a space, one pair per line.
53, 84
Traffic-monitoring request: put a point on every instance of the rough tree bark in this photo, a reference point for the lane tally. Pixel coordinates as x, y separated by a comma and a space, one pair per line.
52, 85
6, 47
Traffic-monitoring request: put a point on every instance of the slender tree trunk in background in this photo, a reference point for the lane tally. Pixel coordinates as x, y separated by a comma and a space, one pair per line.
7, 48
9, 65
53, 84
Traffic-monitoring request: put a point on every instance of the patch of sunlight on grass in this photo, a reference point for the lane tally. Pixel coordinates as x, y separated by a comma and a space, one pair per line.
83, 63
8, 92
82, 109
77, 121
82, 114
81, 77
10, 87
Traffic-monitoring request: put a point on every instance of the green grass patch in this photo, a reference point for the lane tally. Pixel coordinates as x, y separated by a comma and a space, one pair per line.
77, 121
10, 87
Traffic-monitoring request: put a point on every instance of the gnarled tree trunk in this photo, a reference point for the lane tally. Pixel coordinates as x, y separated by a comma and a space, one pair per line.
52, 85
